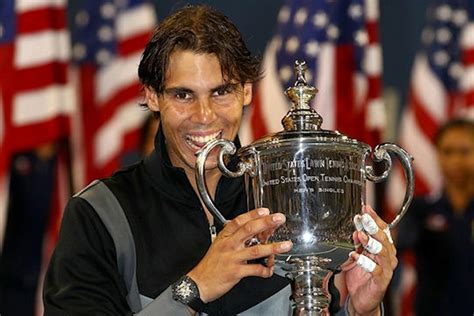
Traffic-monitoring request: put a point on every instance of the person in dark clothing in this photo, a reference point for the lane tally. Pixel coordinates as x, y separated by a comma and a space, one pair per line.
440, 228
197, 74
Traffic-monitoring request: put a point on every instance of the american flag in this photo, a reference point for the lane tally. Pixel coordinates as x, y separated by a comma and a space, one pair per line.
339, 41
107, 40
78, 84
442, 87
36, 96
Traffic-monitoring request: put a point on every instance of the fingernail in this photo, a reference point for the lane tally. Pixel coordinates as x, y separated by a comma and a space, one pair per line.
278, 218
351, 253
358, 222
263, 211
286, 245
369, 224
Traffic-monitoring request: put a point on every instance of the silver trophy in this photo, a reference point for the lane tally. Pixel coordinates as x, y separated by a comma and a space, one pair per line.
317, 178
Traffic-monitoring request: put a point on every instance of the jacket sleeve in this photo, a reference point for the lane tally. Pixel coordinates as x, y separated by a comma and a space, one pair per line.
82, 278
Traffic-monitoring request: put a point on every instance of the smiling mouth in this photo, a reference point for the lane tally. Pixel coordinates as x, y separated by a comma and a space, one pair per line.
197, 142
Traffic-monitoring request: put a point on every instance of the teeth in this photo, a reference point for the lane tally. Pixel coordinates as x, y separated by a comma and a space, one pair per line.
203, 139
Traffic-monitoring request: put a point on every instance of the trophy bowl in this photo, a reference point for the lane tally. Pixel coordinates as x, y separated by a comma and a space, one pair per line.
317, 179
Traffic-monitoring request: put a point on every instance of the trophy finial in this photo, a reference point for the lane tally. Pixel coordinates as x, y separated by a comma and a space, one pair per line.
300, 69
301, 116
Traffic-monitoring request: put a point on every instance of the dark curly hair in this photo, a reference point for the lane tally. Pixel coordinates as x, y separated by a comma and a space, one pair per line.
202, 30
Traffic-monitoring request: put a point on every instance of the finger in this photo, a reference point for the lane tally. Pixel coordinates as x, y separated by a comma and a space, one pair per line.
256, 226
357, 243
373, 246
369, 224
381, 254
367, 209
232, 226
261, 251
365, 263
358, 222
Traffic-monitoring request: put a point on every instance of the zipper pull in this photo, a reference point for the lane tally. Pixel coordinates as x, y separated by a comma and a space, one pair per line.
212, 230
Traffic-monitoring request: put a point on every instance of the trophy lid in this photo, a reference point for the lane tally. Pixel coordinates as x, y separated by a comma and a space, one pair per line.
302, 122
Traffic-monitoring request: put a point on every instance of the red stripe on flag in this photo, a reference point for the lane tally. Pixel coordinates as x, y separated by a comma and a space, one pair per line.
125, 94
469, 97
40, 76
132, 44
41, 20
35, 134
423, 118
89, 117
344, 91
373, 32
468, 57
259, 128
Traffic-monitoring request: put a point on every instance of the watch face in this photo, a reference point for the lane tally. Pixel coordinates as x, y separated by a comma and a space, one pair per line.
184, 290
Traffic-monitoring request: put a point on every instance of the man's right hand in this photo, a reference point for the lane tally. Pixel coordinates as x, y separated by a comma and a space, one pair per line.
226, 261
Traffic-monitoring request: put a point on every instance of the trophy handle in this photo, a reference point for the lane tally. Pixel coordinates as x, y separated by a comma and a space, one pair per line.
228, 148
381, 153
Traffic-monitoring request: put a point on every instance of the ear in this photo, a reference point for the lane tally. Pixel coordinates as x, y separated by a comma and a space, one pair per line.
247, 93
151, 99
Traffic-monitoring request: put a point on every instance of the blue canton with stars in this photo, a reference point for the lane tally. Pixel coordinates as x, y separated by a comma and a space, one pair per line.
304, 25
93, 32
441, 40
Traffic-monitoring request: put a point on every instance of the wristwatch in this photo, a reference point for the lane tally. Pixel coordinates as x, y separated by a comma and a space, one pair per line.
186, 291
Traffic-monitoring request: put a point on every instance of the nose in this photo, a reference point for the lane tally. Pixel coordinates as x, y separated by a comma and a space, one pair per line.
204, 112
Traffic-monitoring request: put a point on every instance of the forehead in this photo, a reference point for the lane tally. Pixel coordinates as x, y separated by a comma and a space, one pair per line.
187, 68
457, 135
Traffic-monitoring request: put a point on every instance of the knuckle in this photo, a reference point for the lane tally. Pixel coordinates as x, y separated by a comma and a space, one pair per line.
248, 227
239, 221
255, 251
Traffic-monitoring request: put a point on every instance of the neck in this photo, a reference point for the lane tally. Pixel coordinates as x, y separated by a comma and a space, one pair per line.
212, 179
459, 197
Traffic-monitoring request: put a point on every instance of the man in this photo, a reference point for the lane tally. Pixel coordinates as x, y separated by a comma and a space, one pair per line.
440, 228
197, 74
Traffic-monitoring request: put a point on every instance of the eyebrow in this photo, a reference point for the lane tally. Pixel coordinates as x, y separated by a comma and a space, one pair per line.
225, 86
177, 90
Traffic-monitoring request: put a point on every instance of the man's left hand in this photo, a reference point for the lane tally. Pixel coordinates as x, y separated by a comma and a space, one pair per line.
370, 268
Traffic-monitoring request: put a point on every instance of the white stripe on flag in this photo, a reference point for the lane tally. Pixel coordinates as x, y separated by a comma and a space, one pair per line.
274, 103
467, 36
467, 80
29, 5
42, 104
108, 141
372, 9
422, 150
428, 89
120, 73
373, 60
325, 99
361, 86
138, 20
40, 48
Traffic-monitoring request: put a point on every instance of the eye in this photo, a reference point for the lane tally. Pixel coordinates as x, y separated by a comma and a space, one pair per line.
223, 91
183, 96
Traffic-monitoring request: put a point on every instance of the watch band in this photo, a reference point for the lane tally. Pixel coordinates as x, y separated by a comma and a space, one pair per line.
185, 290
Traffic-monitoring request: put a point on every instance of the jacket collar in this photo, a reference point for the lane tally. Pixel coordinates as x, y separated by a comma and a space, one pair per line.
172, 180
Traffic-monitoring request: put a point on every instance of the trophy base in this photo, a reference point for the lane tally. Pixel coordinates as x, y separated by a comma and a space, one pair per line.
310, 276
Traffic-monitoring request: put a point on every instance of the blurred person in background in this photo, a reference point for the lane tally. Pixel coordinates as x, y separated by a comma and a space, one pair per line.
440, 229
